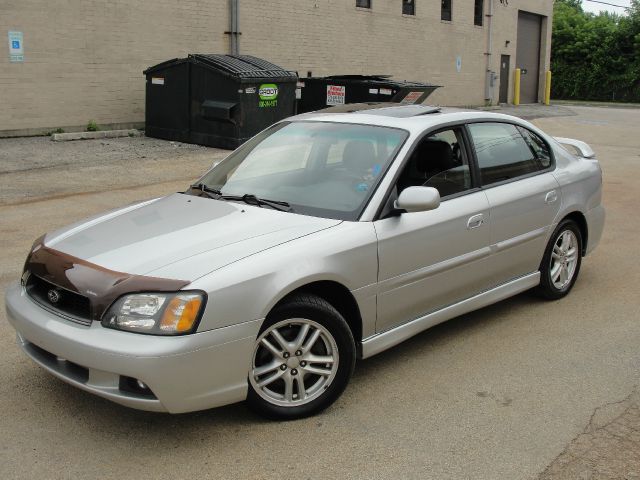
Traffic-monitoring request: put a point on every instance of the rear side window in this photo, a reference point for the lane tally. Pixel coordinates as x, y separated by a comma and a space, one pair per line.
538, 147
503, 153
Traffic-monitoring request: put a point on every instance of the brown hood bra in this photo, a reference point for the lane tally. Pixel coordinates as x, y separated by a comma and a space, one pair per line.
99, 285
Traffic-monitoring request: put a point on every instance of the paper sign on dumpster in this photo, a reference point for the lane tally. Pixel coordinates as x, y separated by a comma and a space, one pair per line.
412, 97
335, 94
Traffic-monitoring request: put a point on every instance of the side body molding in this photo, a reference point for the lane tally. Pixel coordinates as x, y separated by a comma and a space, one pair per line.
382, 341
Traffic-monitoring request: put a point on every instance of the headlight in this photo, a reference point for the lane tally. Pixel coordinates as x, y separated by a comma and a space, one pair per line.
156, 313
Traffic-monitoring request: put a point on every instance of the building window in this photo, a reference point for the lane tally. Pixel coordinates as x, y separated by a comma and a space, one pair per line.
445, 12
477, 12
408, 7
363, 3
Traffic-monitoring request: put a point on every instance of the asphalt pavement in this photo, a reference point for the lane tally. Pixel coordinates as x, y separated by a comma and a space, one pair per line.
523, 389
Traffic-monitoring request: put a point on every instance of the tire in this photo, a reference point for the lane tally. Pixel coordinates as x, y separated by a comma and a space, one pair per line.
302, 360
561, 262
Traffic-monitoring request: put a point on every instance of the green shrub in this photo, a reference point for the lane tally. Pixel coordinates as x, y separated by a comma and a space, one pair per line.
595, 57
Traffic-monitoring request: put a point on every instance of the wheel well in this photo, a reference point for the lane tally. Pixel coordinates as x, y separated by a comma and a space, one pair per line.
340, 298
582, 224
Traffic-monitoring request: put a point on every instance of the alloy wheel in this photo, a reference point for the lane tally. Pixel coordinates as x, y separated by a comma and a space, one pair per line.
294, 362
564, 259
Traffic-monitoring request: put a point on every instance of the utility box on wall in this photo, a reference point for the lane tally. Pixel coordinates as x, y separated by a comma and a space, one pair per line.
216, 100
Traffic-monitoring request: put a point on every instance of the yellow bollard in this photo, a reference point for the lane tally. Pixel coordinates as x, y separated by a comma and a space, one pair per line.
516, 87
547, 88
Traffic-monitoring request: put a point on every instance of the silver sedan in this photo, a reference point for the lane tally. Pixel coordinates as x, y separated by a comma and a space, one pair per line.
327, 237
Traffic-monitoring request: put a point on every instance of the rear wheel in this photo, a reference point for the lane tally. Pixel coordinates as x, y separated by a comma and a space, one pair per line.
302, 360
561, 262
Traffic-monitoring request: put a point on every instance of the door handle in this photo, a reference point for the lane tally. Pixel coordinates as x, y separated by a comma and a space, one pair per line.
551, 197
475, 221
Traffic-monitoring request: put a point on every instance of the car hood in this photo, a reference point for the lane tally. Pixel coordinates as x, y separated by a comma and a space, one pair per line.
180, 236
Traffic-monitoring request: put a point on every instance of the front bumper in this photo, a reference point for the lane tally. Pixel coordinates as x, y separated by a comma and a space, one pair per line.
185, 373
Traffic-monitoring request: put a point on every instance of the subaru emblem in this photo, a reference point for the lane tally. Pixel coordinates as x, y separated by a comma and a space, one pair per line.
54, 296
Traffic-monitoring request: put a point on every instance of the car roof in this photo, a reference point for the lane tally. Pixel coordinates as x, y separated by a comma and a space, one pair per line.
387, 109
414, 118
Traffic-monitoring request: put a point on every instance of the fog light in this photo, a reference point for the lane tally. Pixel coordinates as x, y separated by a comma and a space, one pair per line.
135, 386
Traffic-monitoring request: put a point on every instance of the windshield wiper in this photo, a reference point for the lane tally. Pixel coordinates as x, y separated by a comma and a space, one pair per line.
251, 199
248, 198
208, 191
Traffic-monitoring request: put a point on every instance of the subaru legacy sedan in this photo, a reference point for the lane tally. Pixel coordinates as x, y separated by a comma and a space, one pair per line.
326, 238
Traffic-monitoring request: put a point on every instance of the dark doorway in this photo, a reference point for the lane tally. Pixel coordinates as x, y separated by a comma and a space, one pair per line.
528, 55
505, 61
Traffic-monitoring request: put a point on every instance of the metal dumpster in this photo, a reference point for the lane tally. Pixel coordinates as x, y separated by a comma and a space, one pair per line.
320, 92
216, 100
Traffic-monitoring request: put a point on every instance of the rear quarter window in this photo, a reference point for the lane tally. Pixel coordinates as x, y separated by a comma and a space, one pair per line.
538, 147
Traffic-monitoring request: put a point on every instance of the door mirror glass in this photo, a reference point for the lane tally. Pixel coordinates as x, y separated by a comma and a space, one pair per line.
418, 199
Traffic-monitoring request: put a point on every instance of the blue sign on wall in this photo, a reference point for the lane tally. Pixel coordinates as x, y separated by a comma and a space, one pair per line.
16, 47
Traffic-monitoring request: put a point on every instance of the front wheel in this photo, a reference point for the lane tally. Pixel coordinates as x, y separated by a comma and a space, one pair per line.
302, 360
561, 261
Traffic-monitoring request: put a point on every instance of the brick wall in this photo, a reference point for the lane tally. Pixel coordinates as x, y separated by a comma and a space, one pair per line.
84, 58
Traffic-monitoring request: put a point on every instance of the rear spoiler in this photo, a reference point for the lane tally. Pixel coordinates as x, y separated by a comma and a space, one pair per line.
580, 148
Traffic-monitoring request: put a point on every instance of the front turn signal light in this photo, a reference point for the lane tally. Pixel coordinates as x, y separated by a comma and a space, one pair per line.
181, 313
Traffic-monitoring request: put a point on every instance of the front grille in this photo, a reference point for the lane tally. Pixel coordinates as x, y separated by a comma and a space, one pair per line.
63, 302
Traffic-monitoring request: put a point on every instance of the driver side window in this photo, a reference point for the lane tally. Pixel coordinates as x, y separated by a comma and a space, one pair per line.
438, 161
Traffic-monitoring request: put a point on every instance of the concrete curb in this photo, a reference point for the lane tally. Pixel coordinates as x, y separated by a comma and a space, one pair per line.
587, 103
65, 137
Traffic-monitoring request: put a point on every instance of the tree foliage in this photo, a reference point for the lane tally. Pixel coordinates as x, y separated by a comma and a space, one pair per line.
595, 57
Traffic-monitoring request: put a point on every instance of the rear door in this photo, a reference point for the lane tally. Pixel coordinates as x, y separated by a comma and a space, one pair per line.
515, 167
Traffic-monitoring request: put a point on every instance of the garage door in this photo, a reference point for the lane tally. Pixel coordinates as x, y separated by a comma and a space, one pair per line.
528, 55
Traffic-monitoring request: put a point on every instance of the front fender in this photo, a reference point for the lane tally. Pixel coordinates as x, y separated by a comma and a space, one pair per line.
248, 289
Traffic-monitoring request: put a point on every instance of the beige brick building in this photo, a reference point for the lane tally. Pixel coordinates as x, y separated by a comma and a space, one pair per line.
83, 59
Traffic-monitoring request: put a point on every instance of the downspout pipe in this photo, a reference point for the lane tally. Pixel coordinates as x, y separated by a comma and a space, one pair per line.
234, 27
488, 86
237, 26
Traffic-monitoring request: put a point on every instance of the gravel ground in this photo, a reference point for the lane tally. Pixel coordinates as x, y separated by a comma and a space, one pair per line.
523, 389
89, 166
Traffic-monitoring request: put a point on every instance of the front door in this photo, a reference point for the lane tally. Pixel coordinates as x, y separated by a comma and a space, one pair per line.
428, 260
505, 60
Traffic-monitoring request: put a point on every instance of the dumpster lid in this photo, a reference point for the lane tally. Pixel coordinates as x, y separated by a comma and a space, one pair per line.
358, 77
386, 109
242, 66
163, 65
373, 80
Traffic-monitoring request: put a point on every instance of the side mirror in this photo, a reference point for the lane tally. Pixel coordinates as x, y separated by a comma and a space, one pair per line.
418, 199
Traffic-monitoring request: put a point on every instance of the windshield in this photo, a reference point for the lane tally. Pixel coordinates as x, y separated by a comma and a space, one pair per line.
324, 169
